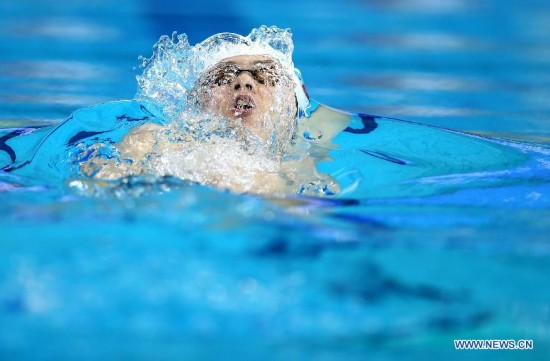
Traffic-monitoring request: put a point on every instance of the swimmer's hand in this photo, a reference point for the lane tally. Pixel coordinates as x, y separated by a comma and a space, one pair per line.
324, 124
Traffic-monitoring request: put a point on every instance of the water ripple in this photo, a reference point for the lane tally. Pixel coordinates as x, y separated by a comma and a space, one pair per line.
56, 69
424, 6
420, 81
430, 40
64, 29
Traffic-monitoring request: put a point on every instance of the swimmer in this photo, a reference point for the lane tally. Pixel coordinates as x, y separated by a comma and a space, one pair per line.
261, 100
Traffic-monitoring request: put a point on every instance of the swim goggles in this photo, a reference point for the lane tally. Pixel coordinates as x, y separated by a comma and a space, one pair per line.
263, 73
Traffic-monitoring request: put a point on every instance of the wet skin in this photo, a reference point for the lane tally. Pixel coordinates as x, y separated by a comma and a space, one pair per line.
243, 89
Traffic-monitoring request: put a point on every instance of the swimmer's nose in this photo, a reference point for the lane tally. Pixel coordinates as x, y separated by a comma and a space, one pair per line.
243, 81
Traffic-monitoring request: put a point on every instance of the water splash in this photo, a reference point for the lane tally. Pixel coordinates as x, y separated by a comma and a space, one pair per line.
201, 146
171, 72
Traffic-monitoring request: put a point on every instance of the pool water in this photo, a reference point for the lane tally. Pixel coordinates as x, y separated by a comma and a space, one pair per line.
439, 235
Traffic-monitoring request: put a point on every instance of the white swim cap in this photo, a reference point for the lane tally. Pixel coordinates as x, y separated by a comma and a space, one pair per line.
270, 41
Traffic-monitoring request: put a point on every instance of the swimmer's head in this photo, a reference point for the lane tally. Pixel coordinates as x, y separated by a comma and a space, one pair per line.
178, 76
250, 89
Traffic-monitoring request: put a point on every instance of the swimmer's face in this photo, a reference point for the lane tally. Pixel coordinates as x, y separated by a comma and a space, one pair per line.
248, 89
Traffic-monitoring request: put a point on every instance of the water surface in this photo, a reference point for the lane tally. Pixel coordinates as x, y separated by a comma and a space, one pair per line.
420, 254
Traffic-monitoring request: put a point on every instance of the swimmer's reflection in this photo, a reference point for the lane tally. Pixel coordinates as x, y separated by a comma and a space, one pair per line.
259, 101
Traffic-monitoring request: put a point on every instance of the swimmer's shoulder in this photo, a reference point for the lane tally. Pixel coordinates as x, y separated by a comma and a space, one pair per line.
147, 127
141, 139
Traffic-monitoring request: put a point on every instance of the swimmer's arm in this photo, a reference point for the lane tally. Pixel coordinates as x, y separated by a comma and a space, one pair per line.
133, 147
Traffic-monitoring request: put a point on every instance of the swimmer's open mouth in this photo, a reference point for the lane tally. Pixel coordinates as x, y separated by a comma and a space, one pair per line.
243, 105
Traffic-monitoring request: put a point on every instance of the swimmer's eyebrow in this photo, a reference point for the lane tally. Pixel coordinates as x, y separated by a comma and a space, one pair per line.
254, 63
264, 62
228, 63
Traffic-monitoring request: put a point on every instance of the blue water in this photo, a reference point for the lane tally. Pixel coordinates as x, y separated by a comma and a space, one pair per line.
440, 235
